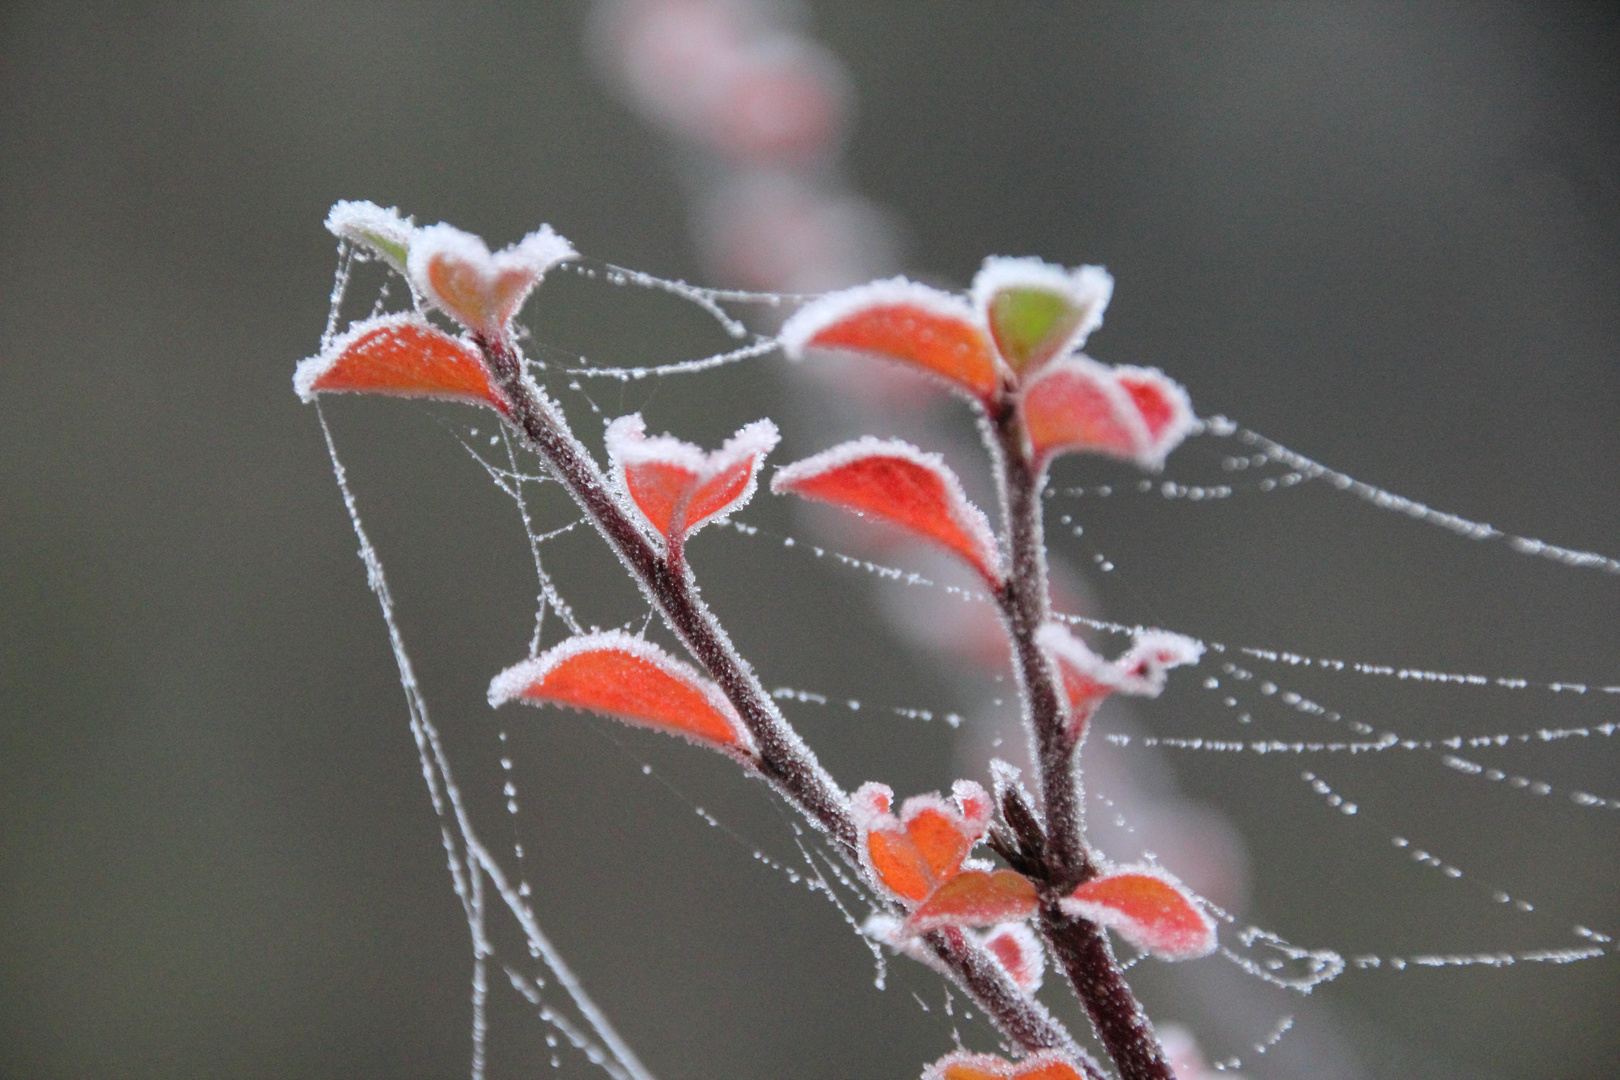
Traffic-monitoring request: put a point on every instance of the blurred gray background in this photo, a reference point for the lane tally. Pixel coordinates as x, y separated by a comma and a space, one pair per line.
1386, 235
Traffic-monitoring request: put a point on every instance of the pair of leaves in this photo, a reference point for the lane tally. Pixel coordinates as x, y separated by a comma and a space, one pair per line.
1019, 333
918, 858
404, 355
676, 486
451, 269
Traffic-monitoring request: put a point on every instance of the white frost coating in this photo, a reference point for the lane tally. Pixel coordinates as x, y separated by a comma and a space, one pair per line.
379, 230
510, 684
1150, 657
1088, 288
974, 802
870, 806
969, 518
1028, 947
1131, 929
891, 931
1140, 672
821, 313
532, 257
628, 446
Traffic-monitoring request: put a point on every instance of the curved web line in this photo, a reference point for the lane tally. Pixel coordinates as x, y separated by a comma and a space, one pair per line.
470, 862
1402, 673
1221, 427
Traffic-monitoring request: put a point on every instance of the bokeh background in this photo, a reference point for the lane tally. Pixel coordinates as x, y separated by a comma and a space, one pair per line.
1385, 235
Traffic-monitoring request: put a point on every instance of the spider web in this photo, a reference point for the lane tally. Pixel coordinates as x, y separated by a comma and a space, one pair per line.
1267, 709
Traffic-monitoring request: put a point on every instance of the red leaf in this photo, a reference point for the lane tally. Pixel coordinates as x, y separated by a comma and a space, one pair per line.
976, 898
403, 356
677, 487
456, 271
904, 321
1160, 402
628, 679
964, 1065
1077, 404
1149, 909
911, 855
1020, 952
895, 482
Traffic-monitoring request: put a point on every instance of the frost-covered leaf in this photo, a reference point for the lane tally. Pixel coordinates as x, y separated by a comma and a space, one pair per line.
383, 231
904, 321
912, 854
1148, 908
1037, 311
1140, 672
1076, 404
678, 487
456, 272
895, 482
976, 898
400, 355
629, 679
963, 1065
1015, 945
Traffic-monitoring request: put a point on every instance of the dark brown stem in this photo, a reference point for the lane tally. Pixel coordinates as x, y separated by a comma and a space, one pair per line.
1054, 853
1126, 1033
1026, 607
783, 758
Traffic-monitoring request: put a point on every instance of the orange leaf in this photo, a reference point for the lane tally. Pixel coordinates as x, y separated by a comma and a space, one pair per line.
456, 271
629, 679
399, 355
976, 898
899, 865
895, 482
678, 487
963, 1065
904, 321
910, 855
1147, 908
